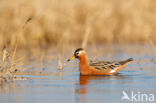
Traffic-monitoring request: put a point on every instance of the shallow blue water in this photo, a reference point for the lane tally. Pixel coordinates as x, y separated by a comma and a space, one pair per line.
78, 89
68, 86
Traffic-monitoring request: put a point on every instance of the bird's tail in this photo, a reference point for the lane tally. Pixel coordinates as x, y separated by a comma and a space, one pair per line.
130, 59
126, 61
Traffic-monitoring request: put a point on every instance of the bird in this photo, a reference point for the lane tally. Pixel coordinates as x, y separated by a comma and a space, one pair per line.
89, 67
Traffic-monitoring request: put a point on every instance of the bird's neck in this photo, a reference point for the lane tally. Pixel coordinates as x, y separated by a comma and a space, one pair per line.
84, 60
84, 64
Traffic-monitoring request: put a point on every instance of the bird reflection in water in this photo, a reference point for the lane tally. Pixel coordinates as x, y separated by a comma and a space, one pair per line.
85, 81
87, 85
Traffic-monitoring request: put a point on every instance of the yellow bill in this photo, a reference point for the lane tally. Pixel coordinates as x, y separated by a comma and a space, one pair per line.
71, 58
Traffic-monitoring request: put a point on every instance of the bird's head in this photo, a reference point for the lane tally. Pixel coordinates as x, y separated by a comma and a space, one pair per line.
78, 53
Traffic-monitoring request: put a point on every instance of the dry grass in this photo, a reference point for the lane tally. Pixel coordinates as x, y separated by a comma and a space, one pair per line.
9, 65
61, 22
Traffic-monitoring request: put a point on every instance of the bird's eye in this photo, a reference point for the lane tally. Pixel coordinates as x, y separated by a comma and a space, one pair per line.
77, 53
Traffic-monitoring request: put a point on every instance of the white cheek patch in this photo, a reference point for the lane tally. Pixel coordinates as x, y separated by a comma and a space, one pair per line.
80, 52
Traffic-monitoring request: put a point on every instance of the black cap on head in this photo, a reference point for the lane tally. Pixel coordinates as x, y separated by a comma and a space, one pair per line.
79, 49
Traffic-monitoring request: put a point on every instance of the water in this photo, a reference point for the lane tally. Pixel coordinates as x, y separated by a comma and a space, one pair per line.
67, 86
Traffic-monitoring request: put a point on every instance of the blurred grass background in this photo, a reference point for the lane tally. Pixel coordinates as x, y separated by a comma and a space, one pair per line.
61, 22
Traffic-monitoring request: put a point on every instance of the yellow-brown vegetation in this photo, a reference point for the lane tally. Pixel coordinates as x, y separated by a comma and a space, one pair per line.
61, 22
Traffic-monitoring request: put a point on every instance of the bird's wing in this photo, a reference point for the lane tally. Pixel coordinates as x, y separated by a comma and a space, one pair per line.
105, 65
